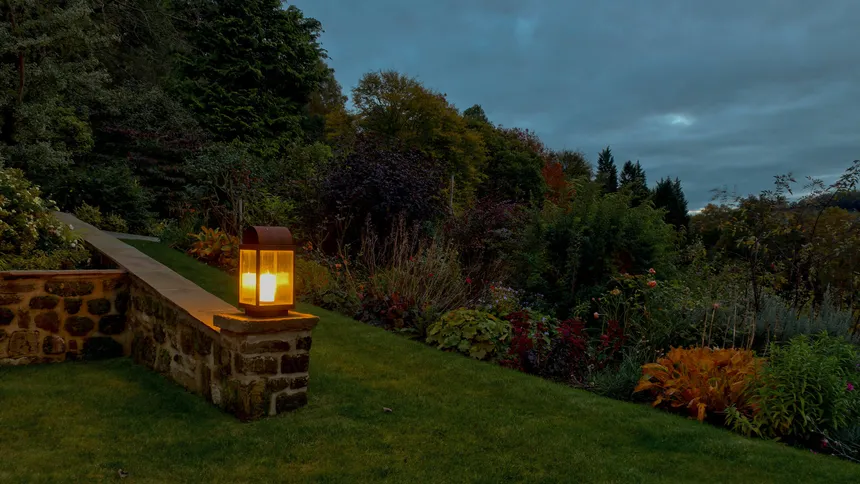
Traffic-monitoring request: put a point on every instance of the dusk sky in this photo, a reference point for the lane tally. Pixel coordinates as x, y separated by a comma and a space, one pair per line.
725, 93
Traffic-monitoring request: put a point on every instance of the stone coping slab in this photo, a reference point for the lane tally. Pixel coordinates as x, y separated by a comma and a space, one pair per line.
188, 296
11, 275
237, 322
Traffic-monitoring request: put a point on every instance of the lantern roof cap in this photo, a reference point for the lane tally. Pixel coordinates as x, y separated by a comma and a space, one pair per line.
267, 236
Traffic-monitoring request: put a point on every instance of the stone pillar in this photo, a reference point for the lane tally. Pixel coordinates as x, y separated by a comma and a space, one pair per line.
270, 358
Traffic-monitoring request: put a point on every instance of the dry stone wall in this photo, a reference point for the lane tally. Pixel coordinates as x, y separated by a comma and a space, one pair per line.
51, 316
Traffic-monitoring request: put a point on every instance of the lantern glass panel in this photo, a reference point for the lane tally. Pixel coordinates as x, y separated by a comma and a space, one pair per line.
276, 277
248, 275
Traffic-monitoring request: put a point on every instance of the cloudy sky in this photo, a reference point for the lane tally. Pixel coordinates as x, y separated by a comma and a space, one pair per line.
718, 93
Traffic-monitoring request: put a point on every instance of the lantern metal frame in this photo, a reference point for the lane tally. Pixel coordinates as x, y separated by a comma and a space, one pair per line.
260, 239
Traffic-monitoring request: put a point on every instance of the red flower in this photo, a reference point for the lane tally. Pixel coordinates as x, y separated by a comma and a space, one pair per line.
430, 275
652, 283
651, 271
468, 280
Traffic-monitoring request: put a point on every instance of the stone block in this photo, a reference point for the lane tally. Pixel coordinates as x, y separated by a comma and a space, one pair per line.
101, 347
252, 401
49, 321
186, 340
299, 382
202, 343
69, 288
256, 365
304, 343
44, 302
271, 346
53, 345
158, 333
6, 316
6, 299
287, 402
244, 324
98, 306
23, 343
72, 304
275, 385
79, 325
294, 364
112, 324
121, 302
143, 350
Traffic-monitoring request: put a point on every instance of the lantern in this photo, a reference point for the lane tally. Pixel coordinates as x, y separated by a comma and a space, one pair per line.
266, 271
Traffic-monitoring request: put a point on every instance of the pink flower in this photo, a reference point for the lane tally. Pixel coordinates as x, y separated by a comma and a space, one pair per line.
651, 271
596, 315
716, 305
468, 280
850, 387
652, 283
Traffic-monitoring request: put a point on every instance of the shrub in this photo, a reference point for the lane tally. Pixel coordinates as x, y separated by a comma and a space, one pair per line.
93, 216
701, 380
619, 381
30, 236
313, 280
424, 271
216, 247
471, 332
809, 388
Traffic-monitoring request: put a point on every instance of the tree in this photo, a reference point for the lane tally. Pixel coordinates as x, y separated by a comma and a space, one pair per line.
325, 103
607, 172
574, 163
402, 112
668, 195
633, 180
514, 164
50, 81
476, 113
252, 69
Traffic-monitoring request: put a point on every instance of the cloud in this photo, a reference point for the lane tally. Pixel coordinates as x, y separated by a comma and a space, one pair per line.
716, 93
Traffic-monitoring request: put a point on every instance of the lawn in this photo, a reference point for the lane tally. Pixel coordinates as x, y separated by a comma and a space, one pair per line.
454, 420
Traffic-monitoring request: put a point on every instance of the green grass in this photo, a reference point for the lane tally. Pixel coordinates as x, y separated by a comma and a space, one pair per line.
454, 420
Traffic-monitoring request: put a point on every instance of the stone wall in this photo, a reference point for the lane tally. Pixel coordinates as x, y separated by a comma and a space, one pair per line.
249, 372
49, 316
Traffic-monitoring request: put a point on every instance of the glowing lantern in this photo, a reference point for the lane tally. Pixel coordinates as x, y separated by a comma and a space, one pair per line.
266, 271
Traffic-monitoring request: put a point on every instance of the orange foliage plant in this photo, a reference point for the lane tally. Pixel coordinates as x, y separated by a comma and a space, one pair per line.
702, 380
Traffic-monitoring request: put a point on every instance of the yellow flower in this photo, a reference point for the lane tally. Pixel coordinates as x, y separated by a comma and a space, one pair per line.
615, 291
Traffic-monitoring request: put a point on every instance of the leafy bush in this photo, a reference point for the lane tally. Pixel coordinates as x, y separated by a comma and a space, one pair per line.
216, 247
619, 381
702, 380
113, 188
313, 280
471, 332
809, 388
93, 216
266, 209
30, 236
383, 183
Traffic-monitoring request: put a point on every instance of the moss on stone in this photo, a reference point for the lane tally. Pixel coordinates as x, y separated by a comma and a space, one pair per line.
98, 306
6, 316
53, 345
112, 324
72, 304
79, 325
23, 319
121, 302
44, 302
